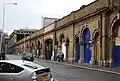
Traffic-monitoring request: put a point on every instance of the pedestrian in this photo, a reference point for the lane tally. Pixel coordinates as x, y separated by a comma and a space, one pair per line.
61, 56
57, 56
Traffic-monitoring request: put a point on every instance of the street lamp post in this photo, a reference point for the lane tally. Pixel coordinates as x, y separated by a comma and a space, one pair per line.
1, 39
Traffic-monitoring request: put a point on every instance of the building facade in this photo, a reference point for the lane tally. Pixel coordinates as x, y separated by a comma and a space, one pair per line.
16, 36
89, 35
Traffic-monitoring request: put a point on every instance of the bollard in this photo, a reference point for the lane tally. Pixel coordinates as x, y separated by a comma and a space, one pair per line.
91, 62
110, 63
99, 63
104, 63
107, 63
79, 61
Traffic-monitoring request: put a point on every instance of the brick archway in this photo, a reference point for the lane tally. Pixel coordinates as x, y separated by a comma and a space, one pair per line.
27, 48
77, 47
48, 49
96, 46
115, 42
61, 42
67, 48
86, 46
32, 47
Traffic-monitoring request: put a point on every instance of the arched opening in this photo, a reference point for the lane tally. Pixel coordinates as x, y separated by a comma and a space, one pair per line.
77, 43
38, 49
67, 48
116, 43
32, 48
86, 45
48, 49
22, 49
27, 48
62, 45
55, 48
96, 47
61, 37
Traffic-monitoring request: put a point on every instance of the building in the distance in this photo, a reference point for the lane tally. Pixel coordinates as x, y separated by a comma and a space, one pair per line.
6, 45
4, 35
47, 20
17, 35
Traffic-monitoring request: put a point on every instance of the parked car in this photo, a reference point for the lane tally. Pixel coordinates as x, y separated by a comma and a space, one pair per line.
21, 70
28, 57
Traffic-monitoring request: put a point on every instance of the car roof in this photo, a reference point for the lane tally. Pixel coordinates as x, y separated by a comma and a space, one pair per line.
21, 63
16, 62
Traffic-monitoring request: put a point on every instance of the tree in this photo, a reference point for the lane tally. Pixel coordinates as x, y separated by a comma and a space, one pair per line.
118, 5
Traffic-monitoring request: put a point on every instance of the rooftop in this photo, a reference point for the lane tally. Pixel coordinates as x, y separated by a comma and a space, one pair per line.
27, 30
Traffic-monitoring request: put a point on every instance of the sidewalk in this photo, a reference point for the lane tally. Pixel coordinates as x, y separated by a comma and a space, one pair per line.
86, 66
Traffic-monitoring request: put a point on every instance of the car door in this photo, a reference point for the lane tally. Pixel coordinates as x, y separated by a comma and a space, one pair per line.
10, 72
4, 72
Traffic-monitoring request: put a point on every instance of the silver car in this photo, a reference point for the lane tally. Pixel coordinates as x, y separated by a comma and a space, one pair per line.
20, 70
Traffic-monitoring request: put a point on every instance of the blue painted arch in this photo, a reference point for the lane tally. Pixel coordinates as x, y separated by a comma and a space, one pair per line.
77, 49
117, 56
116, 48
87, 46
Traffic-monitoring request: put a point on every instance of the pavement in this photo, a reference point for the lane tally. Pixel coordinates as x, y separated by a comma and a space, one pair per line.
87, 66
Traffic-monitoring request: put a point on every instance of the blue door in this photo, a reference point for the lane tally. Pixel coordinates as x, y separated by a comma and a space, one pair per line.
87, 51
78, 51
117, 56
87, 55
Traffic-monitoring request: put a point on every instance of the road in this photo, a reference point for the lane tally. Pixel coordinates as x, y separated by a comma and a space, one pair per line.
69, 73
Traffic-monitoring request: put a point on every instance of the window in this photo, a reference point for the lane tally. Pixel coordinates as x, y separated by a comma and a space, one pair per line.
28, 54
9, 68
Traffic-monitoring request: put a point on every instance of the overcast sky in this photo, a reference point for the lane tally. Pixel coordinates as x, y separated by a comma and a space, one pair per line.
28, 13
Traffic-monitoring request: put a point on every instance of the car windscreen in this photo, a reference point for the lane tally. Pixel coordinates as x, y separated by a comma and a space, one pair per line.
28, 54
33, 66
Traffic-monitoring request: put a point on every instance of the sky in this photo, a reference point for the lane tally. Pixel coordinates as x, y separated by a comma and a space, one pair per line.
28, 13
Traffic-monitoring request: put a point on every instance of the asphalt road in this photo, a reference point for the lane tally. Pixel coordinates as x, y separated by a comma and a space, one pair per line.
69, 73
